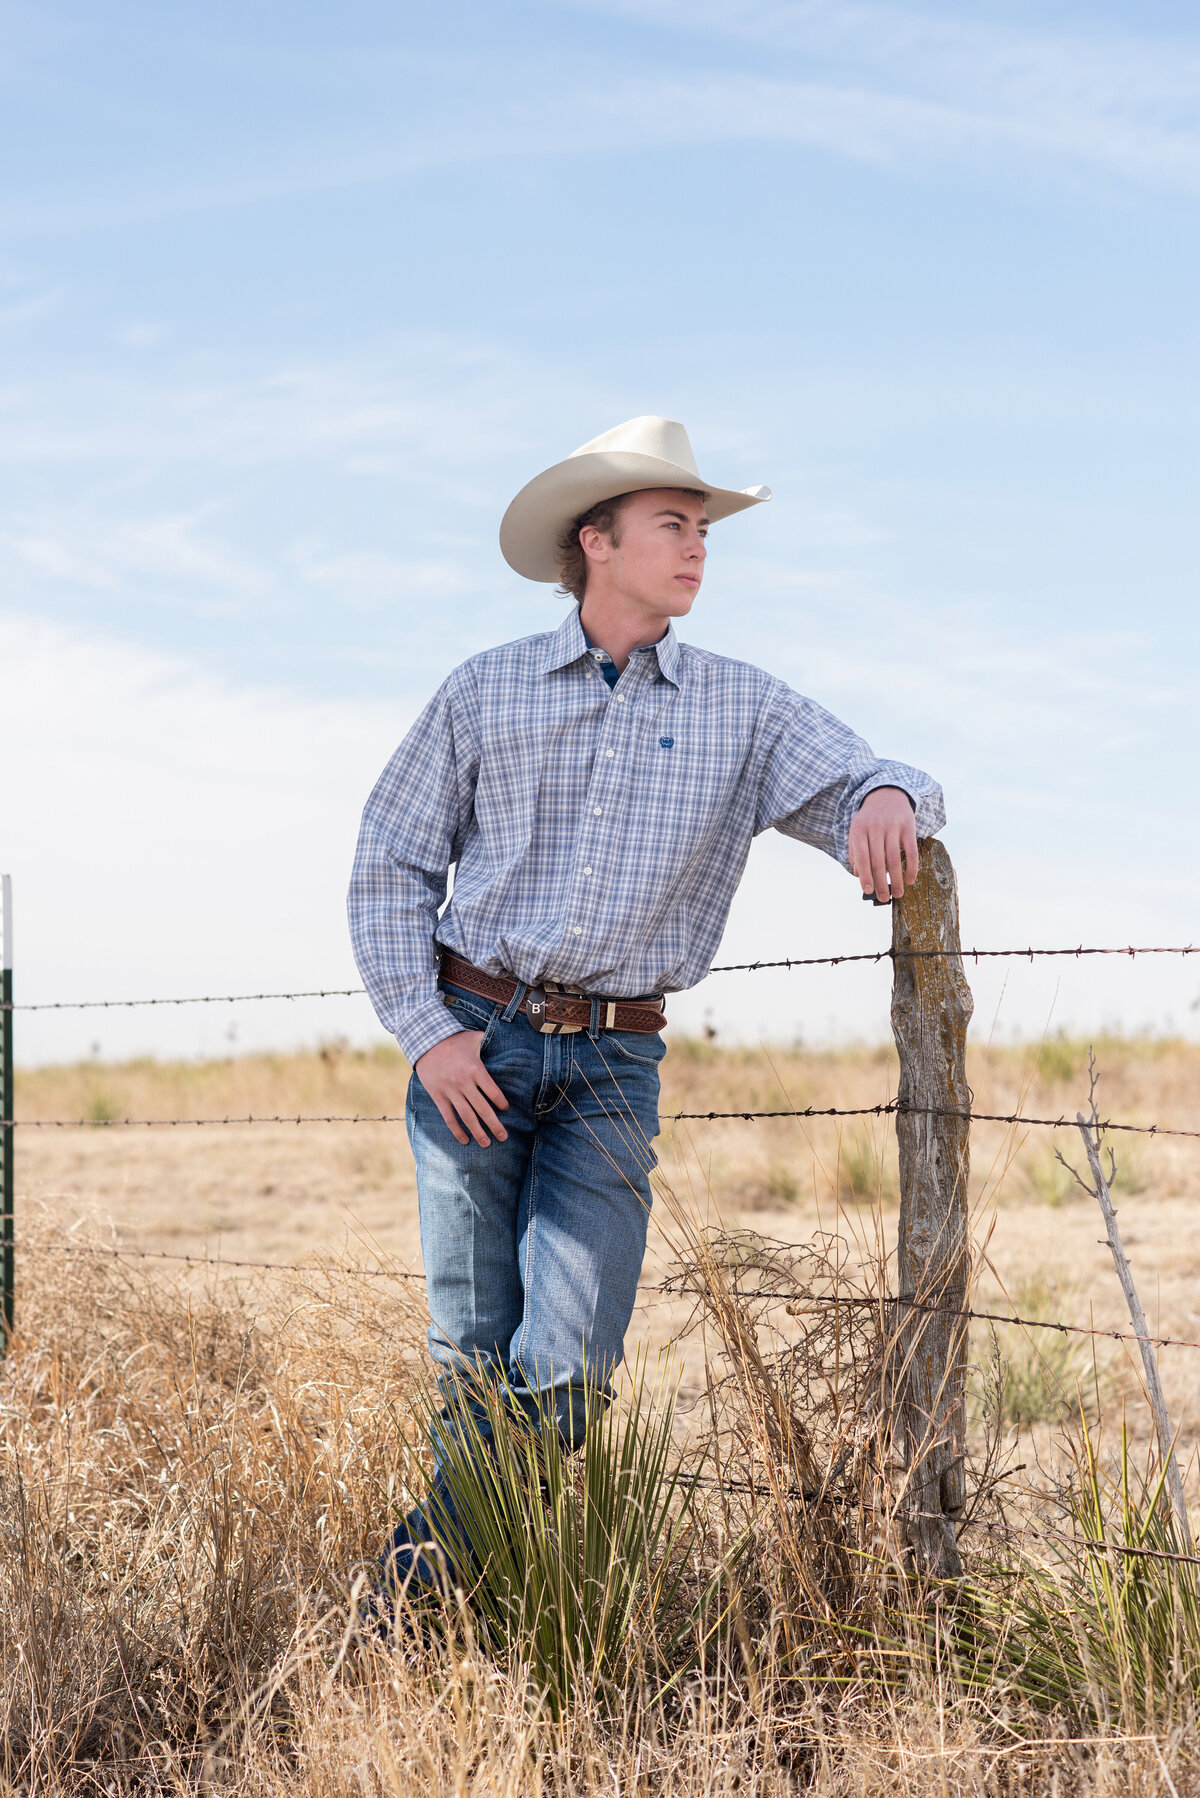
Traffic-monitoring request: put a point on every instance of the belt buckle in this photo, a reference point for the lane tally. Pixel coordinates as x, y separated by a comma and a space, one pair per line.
535, 1010
535, 1006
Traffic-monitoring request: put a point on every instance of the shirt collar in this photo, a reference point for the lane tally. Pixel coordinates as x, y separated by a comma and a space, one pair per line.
566, 645
569, 643
667, 650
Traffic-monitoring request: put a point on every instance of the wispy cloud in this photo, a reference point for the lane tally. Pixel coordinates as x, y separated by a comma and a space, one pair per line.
169, 831
1021, 65
370, 581
890, 82
174, 832
22, 304
869, 83
170, 554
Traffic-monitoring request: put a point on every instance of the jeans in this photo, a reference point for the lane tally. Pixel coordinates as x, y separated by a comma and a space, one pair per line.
533, 1246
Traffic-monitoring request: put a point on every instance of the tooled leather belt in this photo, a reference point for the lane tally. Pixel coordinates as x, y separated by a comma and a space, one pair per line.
552, 1009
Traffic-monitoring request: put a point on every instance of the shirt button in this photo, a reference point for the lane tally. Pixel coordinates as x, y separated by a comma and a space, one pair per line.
620, 698
596, 811
587, 870
608, 753
578, 930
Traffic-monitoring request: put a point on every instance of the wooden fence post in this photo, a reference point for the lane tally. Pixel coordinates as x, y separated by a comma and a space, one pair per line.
931, 1008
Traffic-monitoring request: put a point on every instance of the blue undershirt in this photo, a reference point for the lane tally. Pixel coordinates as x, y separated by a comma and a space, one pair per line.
604, 663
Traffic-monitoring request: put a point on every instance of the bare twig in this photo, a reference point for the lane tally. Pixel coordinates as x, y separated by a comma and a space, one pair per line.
1100, 1190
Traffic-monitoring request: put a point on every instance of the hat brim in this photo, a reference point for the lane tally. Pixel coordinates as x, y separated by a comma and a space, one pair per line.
545, 506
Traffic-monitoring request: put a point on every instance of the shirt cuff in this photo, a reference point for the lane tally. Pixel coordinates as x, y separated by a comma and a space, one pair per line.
424, 1028
883, 780
922, 793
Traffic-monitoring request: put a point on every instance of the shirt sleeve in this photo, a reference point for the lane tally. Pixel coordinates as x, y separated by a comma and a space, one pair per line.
815, 773
413, 828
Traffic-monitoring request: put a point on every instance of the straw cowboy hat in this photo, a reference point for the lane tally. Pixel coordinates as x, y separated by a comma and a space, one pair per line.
645, 452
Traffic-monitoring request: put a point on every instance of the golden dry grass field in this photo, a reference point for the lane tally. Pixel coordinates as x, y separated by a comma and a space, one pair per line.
197, 1460
347, 1191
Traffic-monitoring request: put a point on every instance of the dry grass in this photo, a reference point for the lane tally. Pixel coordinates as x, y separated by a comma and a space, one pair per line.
286, 1192
195, 1468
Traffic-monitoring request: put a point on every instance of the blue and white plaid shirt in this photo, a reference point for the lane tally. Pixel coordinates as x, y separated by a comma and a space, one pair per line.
597, 836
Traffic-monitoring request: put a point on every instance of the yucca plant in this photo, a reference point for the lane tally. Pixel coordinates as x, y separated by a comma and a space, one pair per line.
1105, 1622
575, 1563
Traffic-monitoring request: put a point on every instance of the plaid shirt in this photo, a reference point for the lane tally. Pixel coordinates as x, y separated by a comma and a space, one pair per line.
597, 836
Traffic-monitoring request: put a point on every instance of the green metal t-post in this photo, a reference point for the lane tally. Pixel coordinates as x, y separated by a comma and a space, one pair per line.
6, 1114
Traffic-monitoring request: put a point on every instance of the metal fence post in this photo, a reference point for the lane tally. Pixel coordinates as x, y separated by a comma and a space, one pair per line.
931, 1008
6, 1110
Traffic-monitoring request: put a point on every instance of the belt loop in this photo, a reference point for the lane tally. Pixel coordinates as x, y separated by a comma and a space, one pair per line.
515, 1003
594, 1023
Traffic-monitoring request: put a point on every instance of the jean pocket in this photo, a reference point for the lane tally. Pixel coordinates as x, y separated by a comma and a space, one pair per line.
472, 1014
644, 1048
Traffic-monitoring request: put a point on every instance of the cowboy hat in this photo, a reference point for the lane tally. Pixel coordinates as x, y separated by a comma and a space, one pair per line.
645, 452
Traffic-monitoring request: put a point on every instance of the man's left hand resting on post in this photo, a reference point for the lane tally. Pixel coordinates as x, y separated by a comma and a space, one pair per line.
884, 829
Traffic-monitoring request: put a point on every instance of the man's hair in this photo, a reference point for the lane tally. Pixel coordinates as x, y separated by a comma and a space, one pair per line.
572, 562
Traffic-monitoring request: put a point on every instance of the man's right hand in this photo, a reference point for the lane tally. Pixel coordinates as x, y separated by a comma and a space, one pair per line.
455, 1078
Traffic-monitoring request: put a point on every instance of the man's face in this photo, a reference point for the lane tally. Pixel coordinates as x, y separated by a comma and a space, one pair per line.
657, 560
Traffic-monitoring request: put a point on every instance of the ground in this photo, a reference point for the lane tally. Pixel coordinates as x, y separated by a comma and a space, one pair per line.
197, 1461
290, 1192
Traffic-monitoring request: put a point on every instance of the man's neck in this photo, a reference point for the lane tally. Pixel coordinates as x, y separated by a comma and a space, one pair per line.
614, 627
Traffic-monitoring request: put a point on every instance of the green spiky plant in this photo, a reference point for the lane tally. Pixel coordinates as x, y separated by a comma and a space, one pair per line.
577, 1564
1103, 1617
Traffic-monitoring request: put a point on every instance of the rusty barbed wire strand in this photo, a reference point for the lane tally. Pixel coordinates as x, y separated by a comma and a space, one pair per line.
103, 1251
665, 1288
976, 955
886, 1108
893, 1108
320, 992
846, 1500
197, 1123
733, 967
926, 1308
899, 1514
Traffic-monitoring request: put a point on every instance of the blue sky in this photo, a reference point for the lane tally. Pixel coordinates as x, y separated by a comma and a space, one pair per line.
293, 299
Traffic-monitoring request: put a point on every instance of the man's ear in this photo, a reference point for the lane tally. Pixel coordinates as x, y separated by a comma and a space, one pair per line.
595, 544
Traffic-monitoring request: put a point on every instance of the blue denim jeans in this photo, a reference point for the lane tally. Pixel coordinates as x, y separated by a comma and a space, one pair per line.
533, 1246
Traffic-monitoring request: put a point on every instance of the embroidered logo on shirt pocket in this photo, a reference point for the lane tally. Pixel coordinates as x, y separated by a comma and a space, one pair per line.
692, 758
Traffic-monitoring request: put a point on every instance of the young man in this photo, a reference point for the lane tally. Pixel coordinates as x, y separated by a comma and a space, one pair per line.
596, 789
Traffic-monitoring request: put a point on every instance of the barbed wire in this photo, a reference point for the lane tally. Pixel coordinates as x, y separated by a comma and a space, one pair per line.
875, 1300
733, 967
886, 1108
200, 1123
975, 955
669, 1289
845, 1500
666, 1288
894, 1108
898, 1513
320, 992
103, 1251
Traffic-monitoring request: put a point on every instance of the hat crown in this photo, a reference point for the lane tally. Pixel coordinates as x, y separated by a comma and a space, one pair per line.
662, 438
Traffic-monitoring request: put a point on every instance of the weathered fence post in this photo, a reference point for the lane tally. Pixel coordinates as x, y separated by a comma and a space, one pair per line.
931, 1008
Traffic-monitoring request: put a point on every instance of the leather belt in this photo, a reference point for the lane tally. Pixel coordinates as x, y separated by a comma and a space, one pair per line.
553, 1009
